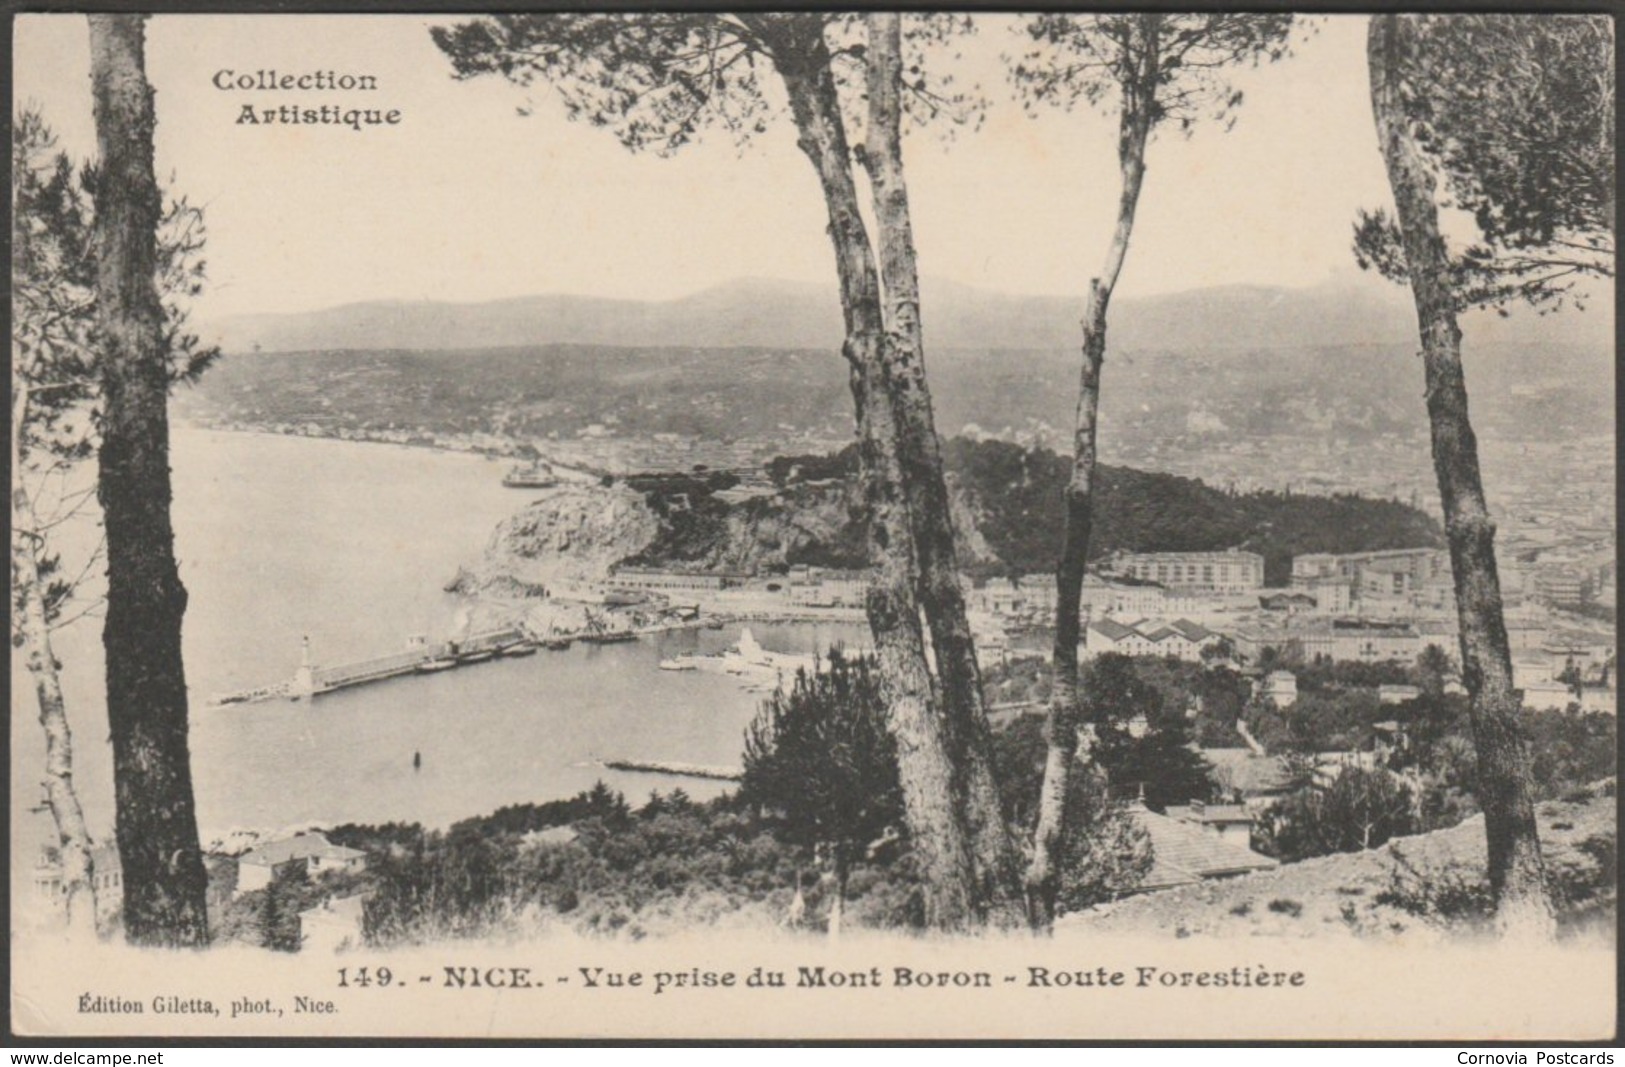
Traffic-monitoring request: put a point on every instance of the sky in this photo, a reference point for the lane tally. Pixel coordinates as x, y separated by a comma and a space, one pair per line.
467, 200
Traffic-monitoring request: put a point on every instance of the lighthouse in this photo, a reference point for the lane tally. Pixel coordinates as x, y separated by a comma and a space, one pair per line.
304, 679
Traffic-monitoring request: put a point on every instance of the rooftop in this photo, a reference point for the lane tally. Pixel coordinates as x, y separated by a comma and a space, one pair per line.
1112, 629
1183, 852
1196, 811
298, 847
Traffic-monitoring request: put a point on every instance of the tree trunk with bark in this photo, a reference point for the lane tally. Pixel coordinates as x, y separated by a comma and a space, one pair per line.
842, 873
1505, 773
164, 878
924, 756
998, 864
72, 835
1043, 879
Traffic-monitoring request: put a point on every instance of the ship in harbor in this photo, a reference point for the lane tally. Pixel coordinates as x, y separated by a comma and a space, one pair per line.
600, 632
535, 475
757, 668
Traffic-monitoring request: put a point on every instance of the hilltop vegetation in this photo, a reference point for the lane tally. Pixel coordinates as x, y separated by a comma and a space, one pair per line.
1017, 493
1008, 505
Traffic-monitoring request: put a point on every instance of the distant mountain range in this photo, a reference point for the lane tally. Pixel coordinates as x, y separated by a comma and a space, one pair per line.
1350, 310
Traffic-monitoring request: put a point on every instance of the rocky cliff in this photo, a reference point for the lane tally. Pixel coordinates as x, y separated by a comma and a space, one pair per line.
568, 533
579, 533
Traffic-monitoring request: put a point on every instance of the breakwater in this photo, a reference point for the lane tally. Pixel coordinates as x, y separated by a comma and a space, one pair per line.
419, 657
687, 770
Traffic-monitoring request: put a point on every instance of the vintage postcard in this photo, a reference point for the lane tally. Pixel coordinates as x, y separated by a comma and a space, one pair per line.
813, 525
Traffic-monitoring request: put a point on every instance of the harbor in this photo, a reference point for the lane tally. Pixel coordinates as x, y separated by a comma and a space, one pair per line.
506, 730
757, 669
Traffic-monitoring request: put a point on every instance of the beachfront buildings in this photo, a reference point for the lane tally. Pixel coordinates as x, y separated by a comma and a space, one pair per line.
825, 587
667, 580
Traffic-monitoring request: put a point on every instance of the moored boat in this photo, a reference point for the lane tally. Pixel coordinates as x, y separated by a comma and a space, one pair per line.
608, 637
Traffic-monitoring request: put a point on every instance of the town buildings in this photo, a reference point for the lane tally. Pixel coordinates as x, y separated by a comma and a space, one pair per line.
1369, 607
1279, 688
1563, 587
665, 579
107, 879
1231, 823
1182, 639
1232, 571
257, 867
1190, 847
1394, 582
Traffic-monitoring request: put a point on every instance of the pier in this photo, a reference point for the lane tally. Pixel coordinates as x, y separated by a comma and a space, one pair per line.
686, 770
419, 657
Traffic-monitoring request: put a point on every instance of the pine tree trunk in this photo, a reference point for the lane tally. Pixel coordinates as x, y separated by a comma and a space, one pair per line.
925, 764
164, 879
998, 865
1061, 722
1505, 773
72, 835
837, 907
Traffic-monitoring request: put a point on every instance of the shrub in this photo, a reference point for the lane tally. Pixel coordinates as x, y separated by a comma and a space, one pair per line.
1361, 809
1290, 908
1449, 894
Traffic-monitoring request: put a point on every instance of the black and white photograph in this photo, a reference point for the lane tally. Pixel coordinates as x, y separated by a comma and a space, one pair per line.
813, 525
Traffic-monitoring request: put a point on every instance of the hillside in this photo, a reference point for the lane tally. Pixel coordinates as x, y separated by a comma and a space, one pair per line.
1006, 507
1154, 403
1430, 884
1354, 309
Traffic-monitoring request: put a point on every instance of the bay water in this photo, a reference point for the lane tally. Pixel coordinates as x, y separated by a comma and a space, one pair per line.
350, 544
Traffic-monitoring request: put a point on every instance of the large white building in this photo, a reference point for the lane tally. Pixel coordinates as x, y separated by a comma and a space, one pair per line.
1231, 571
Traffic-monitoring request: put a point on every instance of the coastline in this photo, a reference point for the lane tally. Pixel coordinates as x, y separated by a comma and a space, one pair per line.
183, 423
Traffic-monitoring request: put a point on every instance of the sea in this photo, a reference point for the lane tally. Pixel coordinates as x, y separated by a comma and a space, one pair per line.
350, 544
